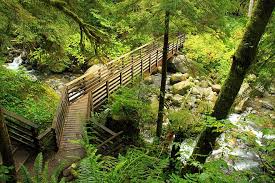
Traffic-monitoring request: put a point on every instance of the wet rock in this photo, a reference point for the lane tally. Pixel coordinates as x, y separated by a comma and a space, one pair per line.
178, 77
181, 87
177, 64
216, 88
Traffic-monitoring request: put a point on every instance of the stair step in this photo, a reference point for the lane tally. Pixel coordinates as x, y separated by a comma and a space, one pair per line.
20, 157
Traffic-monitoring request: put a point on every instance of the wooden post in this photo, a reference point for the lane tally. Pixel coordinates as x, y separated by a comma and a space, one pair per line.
6, 149
150, 63
132, 60
120, 75
34, 136
177, 47
92, 101
157, 59
141, 67
107, 88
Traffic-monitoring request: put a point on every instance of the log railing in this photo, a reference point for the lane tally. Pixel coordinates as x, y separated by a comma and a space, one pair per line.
101, 83
21, 129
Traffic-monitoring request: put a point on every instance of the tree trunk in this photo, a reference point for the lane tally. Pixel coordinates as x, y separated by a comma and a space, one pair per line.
250, 8
164, 75
242, 60
6, 150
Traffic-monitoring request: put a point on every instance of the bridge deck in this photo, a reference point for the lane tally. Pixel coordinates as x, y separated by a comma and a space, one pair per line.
73, 127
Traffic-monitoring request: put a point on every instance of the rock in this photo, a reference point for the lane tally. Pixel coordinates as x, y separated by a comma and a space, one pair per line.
196, 90
159, 69
212, 97
206, 91
244, 88
178, 77
216, 88
177, 64
240, 107
204, 84
267, 105
181, 87
148, 80
177, 100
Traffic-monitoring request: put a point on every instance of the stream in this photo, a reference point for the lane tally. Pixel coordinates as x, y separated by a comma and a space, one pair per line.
230, 148
55, 81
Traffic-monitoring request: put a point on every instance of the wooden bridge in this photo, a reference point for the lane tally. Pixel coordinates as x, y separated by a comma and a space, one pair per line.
87, 93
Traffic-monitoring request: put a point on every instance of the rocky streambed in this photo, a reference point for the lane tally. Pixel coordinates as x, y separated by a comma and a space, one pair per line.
184, 90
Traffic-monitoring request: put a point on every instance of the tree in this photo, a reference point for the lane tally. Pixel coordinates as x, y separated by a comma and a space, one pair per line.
6, 150
242, 60
163, 74
250, 8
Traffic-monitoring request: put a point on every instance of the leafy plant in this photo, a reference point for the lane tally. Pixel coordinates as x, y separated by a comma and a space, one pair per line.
41, 173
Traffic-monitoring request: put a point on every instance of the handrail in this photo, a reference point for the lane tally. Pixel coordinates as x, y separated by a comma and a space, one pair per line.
21, 129
100, 84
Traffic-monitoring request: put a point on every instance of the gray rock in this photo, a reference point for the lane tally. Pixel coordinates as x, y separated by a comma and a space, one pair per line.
178, 77
177, 64
181, 87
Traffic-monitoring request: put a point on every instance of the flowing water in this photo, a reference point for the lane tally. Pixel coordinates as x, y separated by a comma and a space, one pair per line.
230, 148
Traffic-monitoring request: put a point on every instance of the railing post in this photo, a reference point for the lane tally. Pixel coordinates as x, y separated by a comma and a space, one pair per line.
34, 136
132, 61
141, 68
157, 59
120, 76
150, 63
107, 88
177, 47
92, 101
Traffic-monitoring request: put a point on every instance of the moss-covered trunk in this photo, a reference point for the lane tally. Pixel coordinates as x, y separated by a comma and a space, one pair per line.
242, 60
163, 75
6, 150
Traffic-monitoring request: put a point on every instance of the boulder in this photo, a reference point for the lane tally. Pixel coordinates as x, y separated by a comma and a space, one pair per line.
177, 64
240, 107
204, 84
178, 77
177, 100
196, 90
216, 88
181, 87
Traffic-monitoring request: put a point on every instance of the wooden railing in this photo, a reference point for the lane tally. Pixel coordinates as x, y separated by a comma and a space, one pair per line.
100, 84
21, 129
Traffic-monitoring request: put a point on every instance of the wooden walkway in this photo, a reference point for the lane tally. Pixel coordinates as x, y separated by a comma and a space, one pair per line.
89, 91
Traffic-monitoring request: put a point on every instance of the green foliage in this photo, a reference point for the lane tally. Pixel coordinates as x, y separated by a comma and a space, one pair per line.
4, 171
185, 122
31, 99
135, 166
41, 174
132, 103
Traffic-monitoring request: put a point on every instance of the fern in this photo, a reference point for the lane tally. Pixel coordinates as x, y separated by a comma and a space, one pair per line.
26, 176
38, 166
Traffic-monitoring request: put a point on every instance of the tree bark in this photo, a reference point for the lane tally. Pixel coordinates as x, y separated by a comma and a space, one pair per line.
164, 75
242, 60
6, 150
250, 8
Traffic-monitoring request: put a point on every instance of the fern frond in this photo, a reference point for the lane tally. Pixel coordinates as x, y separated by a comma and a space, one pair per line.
26, 176
38, 167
